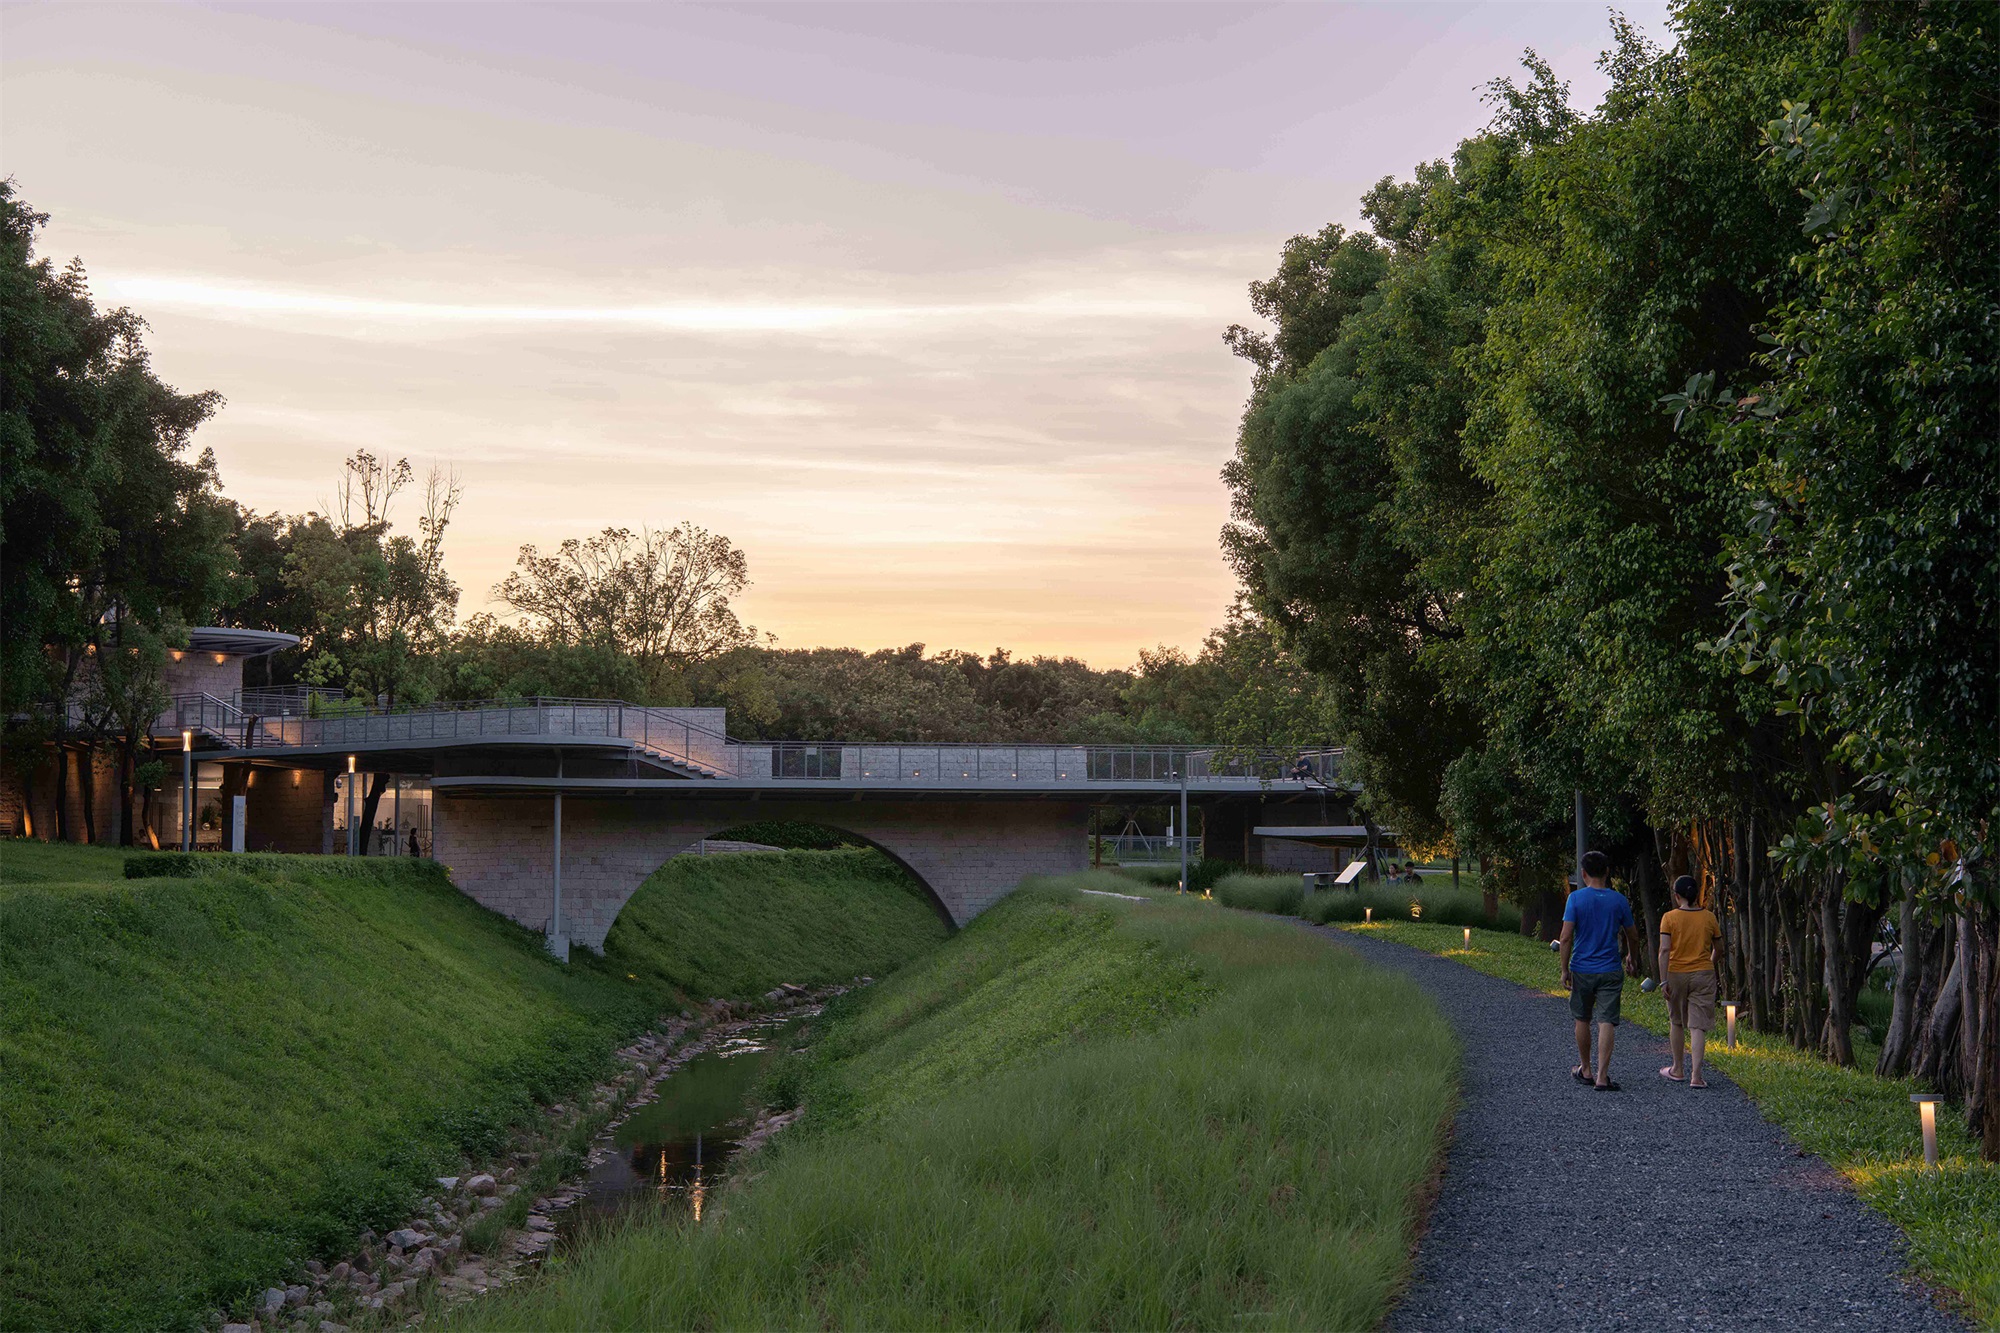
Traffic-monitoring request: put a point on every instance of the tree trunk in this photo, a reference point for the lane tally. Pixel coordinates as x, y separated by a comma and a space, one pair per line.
377, 784
1937, 1055
1982, 1018
125, 795
1837, 1040
62, 792
1899, 1042
1646, 871
87, 783
1541, 915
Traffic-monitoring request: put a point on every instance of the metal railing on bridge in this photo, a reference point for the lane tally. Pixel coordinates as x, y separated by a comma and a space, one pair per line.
944, 763
1147, 849
665, 734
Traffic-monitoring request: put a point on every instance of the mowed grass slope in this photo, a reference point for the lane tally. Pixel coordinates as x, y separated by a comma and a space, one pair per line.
740, 924
209, 1080
1082, 1112
1864, 1126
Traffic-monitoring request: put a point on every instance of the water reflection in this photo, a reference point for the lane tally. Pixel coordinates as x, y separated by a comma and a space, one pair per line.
673, 1151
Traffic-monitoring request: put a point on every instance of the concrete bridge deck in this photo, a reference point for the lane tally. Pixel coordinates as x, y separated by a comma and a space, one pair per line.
556, 811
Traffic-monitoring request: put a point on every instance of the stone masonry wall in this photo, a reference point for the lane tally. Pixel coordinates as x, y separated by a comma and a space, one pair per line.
281, 814
498, 848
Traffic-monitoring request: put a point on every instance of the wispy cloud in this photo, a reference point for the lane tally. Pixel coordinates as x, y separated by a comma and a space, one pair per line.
241, 300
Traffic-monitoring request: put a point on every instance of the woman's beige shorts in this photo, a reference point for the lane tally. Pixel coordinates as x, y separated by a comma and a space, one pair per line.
1691, 999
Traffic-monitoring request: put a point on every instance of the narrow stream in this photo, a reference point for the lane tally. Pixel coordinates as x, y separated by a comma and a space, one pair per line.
675, 1150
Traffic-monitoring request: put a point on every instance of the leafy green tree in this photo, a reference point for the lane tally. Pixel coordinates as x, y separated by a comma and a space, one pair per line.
661, 598
1864, 581
107, 528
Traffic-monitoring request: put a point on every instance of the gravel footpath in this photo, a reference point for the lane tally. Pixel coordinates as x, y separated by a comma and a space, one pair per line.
1657, 1207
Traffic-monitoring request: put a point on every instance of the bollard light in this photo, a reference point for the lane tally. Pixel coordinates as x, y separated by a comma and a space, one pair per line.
1468, 937
1927, 1113
1729, 1008
1368, 916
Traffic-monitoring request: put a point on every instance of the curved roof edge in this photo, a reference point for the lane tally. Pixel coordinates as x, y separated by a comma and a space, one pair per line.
240, 642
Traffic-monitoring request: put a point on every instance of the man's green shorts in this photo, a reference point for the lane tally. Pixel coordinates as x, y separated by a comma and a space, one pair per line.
1594, 996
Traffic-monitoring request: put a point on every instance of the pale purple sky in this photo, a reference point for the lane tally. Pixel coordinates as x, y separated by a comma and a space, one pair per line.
921, 305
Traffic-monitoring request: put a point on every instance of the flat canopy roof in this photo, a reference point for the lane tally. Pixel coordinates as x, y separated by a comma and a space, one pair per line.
1326, 835
239, 642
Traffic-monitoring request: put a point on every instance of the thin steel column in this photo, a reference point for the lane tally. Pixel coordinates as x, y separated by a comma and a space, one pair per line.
1582, 836
1184, 828
558, 942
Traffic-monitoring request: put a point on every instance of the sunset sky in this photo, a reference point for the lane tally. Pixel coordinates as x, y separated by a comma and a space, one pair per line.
921, 305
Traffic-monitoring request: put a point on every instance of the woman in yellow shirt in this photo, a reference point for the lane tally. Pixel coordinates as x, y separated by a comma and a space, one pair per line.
1688, 938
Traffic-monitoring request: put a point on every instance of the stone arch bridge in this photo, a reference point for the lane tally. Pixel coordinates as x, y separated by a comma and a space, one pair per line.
554, 812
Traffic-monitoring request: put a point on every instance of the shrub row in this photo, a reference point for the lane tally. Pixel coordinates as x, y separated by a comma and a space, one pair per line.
1283, 895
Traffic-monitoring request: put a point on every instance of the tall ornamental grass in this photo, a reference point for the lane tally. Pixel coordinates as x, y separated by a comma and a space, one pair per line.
1236, 1135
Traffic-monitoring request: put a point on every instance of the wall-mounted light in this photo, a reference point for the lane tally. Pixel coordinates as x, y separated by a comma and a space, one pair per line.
1927, 1114
250, 779
178, 654
220, 658
297, 774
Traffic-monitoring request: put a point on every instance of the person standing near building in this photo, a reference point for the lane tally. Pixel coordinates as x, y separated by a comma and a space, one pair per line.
1688, 938
1599, 943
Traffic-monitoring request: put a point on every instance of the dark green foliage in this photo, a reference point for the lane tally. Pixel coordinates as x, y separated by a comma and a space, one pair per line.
1284, 895
791, 835
1205, 873
99, 506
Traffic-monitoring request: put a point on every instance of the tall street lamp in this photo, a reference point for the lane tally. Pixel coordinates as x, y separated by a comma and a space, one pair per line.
187, 791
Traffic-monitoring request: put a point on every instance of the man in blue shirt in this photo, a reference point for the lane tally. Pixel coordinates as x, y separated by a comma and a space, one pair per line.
1597, 921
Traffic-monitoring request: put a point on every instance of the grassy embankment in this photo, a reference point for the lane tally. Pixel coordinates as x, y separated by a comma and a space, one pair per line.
211, 1079
1082, 1112
1863, 1126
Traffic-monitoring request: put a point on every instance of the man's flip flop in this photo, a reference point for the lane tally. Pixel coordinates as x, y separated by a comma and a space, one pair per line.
1578, 1074
1607, 1087
1669, 1074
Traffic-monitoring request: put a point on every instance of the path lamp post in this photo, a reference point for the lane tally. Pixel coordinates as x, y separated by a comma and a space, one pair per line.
1927, 1113
352, 830
1729, 1010
187, 791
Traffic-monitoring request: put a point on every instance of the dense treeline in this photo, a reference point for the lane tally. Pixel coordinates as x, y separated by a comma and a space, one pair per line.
1652, 454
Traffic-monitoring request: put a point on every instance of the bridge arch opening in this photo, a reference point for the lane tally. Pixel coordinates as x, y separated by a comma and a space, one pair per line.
797, 835
813, 835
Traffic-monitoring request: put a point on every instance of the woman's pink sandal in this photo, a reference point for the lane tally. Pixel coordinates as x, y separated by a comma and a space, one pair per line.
1668, 1073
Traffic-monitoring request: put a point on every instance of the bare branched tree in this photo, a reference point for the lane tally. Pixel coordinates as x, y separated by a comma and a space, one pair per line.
661, 597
